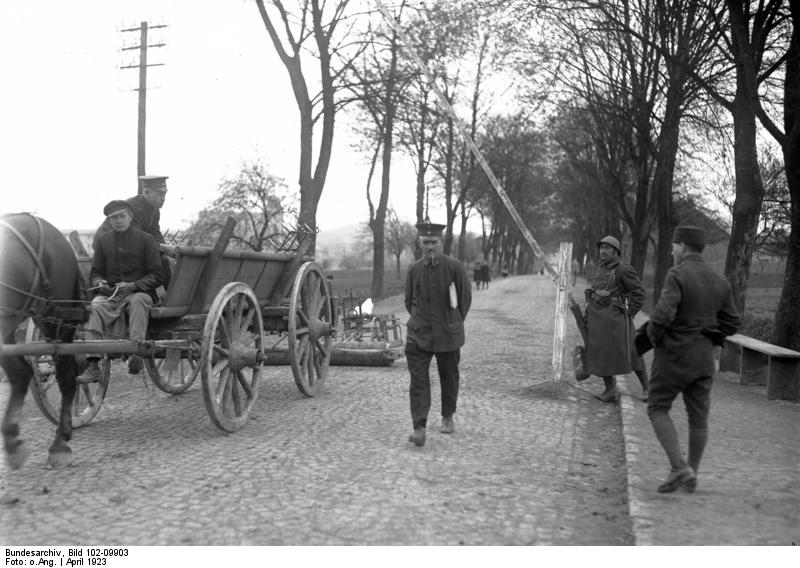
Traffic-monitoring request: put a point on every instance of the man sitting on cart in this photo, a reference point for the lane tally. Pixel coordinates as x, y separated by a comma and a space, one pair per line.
126, 270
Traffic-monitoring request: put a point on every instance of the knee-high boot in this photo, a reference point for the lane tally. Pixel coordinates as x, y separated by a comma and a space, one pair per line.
644, 380
680, 471
697, 444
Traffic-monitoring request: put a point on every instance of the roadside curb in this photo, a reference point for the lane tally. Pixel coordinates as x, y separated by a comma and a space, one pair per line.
638, 510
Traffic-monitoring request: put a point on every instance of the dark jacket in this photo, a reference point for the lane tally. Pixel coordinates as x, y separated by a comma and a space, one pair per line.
695, 311
129, 256
145, 217
435, 326
615, 296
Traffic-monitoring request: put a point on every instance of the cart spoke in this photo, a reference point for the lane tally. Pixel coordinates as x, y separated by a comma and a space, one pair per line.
225, 336
311, 367
76, 401
245, 383
218, 368
236, 396
88, 394
222, 385
48, 384
241, 303
320, 346
302, 317
248, 319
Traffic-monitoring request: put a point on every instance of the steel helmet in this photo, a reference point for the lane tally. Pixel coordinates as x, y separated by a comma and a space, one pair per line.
609, 240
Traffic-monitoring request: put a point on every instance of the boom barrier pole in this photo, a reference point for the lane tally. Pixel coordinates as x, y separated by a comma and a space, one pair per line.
412, 53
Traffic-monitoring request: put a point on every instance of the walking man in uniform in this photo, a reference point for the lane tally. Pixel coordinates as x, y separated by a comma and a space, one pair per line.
695, 311
126, 270
438, 295
614, 297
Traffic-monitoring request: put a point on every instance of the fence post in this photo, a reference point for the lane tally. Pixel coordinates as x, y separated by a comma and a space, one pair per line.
562, 308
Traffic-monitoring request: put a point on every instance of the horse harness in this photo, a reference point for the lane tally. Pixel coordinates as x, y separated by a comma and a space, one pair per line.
40, 279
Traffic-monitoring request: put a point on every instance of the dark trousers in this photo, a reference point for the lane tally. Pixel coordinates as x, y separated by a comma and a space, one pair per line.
696, 396
419, 363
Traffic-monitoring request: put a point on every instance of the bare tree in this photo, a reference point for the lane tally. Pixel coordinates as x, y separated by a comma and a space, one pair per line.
327, 25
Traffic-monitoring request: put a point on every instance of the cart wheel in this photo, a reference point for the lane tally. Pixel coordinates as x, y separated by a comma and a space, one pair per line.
310, 328
44, 386
232, 356
175, 380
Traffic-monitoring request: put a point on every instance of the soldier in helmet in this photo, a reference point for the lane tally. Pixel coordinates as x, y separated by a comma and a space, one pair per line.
614, 297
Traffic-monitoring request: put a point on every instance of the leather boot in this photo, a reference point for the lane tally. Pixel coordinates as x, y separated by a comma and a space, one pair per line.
697, 444
680, 472
447, 425
644, 380
611, 394
418, 436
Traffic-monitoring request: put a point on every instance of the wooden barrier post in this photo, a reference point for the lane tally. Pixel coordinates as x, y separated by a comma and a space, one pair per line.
562, 308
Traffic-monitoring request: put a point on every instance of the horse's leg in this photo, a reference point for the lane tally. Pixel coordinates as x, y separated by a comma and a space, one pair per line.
19, 374
60, 454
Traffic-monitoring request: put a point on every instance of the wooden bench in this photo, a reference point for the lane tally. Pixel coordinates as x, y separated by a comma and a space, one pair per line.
762, 363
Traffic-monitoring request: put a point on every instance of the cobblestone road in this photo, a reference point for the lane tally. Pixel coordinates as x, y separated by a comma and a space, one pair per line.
530, 462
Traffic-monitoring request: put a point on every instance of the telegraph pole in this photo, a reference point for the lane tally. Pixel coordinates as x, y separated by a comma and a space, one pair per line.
142, 67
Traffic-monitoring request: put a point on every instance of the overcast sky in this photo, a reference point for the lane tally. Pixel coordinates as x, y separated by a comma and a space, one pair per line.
69, 114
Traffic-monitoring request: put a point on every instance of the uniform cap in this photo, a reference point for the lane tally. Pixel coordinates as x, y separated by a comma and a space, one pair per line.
609, 240
430, 229
116, 205
689, 235
158, 183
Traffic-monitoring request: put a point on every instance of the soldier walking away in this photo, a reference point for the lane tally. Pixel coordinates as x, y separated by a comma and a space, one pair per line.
614, 297
694, 312
438, 296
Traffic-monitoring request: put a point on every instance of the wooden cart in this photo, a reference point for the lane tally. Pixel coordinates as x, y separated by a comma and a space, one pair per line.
223, 314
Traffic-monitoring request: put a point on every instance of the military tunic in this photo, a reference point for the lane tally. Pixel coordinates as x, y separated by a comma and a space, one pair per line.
435, 326
615, 296
695, 310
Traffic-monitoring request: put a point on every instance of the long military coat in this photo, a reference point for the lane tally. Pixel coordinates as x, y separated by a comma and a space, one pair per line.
435, 326
695, 310
615, 296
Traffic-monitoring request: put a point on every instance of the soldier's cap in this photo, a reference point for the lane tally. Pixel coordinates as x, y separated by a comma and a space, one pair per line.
689, 235
157, 183
430, 229
115, 206
609, 240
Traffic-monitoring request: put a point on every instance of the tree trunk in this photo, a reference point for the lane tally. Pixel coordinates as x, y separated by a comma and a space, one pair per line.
379, 223
749, 185
662, 181
747, 205
787, 319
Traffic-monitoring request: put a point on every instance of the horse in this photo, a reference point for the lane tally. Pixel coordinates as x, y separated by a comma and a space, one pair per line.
39, 278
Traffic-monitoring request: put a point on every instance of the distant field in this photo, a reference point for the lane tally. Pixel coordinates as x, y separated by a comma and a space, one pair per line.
359, 283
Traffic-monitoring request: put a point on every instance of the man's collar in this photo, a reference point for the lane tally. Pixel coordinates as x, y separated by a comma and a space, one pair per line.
611, 263
427, 261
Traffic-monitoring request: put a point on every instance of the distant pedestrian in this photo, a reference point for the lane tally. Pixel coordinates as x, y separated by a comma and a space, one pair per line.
438, 296
576, 268
614, 296
486, 274
694, 312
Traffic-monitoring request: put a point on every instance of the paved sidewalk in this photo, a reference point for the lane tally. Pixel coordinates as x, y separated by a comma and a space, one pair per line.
749, 481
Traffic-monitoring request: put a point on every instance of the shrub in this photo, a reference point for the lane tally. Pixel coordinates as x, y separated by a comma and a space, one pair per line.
758, 327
